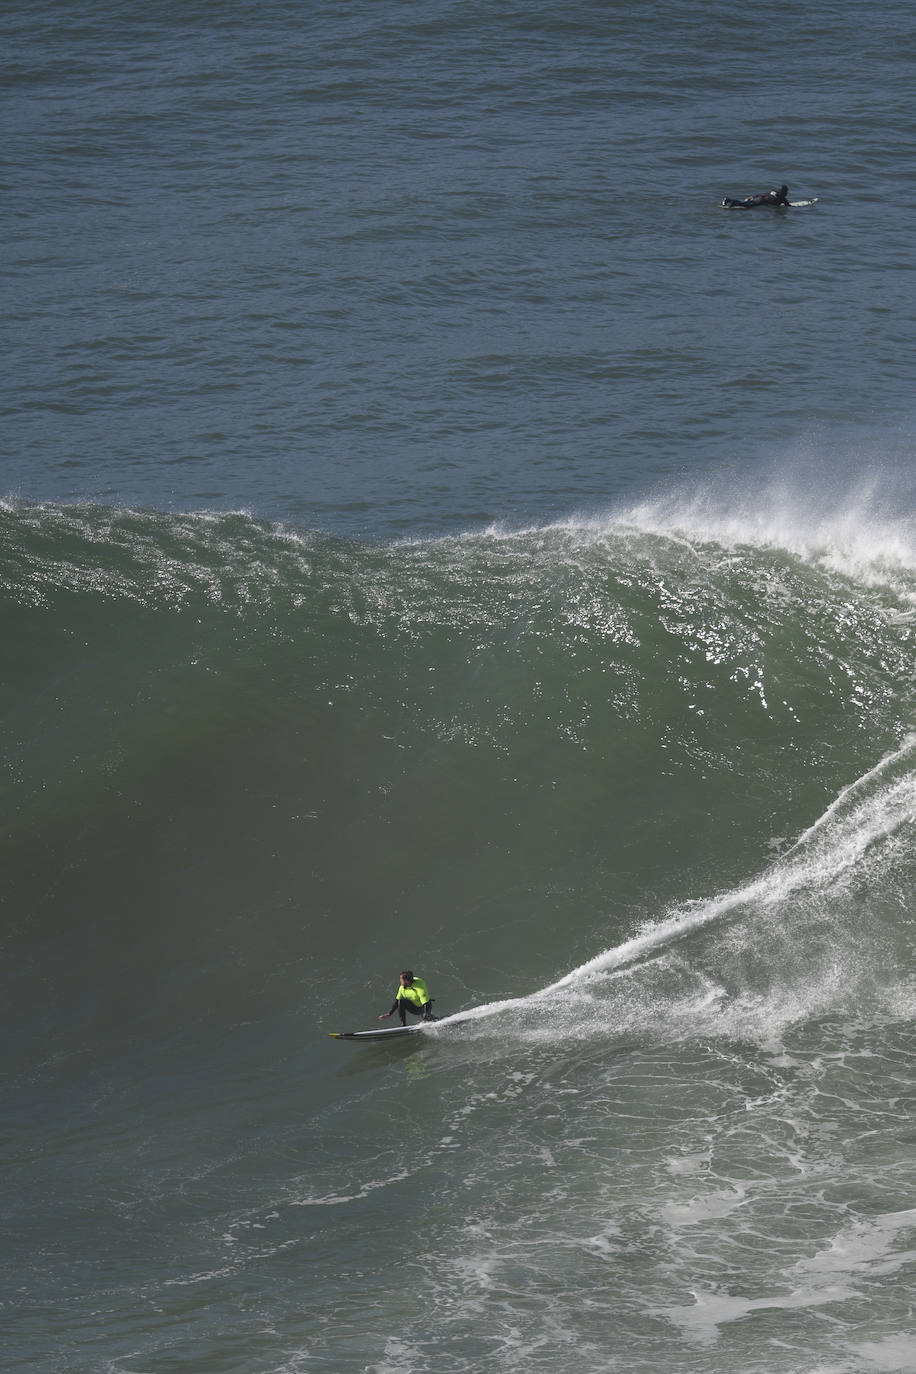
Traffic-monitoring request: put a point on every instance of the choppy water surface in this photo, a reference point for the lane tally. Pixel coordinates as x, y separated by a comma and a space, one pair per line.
393, 268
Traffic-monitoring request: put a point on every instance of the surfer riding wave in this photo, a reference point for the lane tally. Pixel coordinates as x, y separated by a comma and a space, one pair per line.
412, 996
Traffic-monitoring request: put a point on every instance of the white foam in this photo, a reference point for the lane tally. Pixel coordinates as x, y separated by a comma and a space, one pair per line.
713, 1308
863, 1246
859, 527
831, 852
854, 789
857, 1253
824, 513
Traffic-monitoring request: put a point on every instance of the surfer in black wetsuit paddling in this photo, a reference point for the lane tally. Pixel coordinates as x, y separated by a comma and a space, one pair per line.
780, 197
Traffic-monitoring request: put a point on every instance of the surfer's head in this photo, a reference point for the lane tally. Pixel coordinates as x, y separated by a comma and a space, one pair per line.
407, 977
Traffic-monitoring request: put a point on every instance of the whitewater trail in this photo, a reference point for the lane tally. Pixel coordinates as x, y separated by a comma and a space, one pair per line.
834, 847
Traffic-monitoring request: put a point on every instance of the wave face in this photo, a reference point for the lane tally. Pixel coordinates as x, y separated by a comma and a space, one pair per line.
636, 794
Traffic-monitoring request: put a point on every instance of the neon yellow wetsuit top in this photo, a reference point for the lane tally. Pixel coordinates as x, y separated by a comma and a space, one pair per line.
417, 994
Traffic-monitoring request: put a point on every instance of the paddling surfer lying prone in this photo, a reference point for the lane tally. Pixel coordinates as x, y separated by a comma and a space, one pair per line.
778, 197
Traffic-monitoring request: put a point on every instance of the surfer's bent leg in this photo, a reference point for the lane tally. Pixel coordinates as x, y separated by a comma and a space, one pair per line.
404, 1006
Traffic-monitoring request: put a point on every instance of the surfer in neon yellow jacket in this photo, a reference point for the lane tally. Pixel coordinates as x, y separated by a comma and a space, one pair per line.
412, 996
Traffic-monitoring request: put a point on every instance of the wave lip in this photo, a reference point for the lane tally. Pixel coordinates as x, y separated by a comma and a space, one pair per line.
860, 534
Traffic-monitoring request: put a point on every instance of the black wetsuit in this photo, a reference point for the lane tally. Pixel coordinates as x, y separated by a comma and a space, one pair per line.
763, 198
401, 1005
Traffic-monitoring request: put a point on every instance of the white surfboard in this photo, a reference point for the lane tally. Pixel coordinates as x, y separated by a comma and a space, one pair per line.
729, 204
386, 1033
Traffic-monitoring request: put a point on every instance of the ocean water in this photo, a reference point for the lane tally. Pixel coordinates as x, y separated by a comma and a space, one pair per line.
433, 531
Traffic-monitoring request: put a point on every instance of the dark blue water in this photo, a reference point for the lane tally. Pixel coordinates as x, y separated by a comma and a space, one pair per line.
433, 531
398, 268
